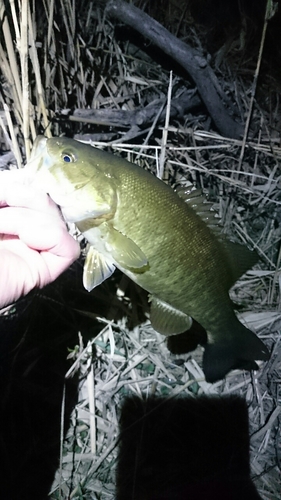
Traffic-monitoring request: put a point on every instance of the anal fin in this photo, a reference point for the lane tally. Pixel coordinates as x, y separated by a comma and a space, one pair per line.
166, 319
188, 340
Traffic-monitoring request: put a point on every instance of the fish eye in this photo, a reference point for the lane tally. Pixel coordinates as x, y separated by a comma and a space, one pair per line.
68, 157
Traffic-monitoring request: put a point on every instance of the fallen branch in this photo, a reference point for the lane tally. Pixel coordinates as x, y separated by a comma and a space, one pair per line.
189, 58
139, 117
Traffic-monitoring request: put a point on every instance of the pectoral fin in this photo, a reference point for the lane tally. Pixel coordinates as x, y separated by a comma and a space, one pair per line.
96, 269
124, 250
166, 319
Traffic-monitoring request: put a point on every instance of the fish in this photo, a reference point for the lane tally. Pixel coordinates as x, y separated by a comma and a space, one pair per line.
167, 242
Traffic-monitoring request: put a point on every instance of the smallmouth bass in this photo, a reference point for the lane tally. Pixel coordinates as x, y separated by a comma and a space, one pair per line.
162, 240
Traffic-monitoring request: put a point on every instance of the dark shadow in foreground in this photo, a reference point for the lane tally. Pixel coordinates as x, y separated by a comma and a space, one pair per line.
184, 448
35, 338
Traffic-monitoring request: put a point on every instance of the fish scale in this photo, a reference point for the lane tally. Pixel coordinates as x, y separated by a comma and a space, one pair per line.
137, 223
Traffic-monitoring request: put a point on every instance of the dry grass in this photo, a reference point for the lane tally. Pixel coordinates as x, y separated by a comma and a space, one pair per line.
54, 60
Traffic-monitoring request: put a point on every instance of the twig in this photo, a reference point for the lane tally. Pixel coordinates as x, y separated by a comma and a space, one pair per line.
160, 171
268, 15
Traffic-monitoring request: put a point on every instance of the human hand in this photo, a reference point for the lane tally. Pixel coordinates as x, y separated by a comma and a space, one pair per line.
35, 247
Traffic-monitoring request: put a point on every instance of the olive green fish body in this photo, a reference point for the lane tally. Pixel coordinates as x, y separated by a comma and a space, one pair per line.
137, 223
177, 259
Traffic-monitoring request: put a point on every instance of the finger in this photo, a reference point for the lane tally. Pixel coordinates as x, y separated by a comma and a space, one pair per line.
59, 257
28, 224
15, 277
55, 240
16, 190
39, 231
26, 268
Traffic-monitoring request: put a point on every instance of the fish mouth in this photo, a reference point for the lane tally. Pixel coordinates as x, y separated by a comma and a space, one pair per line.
39, 171
39, 158
38, 146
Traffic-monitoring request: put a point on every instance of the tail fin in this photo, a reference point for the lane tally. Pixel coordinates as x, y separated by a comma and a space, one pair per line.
239, 350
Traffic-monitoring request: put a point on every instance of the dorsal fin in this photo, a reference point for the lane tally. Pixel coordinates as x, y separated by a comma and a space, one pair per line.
198, 202
240, 258
193, 196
